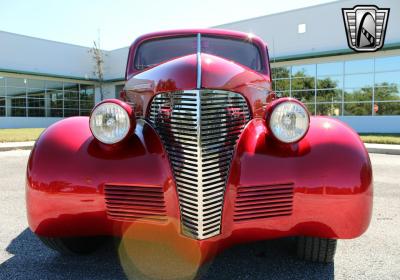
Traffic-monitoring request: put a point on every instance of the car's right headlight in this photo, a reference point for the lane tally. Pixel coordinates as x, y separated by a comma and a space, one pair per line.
288, 120
111, 121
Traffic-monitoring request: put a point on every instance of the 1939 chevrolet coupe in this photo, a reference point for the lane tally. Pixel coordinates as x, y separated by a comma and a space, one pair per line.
201, 147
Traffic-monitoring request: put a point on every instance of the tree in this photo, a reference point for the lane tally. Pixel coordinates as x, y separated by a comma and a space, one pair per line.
98, 59
280, 72
387, 92
362, 100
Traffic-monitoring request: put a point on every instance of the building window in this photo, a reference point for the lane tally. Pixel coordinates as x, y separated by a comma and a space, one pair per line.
86, 98
2, 97
301, 28
71, 99
361, 87
22, 97
55, 97
36, 91
118, 89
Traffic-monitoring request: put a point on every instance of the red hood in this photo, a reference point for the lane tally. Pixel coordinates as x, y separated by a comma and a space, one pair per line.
216, 73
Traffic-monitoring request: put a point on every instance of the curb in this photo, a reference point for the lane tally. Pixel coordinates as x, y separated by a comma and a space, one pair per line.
4, 147
383, 149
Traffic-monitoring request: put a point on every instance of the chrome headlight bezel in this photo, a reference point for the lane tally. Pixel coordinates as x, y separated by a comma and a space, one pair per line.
278, 129
121, 121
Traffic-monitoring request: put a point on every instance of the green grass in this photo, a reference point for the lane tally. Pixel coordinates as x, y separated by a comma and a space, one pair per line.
19, 134
31, 134
381, 138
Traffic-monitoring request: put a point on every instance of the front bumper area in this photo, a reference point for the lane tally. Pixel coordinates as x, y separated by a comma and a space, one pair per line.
330, 185
86, 215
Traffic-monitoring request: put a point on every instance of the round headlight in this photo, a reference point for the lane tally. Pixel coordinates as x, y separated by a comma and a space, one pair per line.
110, 123
289, 121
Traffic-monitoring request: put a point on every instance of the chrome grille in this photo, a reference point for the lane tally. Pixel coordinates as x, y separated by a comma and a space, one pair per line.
199, 129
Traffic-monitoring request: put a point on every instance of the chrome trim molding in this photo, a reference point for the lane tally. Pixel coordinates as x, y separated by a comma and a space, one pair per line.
132, 203
199, 130
263, 202
198, 61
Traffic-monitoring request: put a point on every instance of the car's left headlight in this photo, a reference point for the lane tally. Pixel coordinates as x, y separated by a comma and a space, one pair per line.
288, 120
111, 121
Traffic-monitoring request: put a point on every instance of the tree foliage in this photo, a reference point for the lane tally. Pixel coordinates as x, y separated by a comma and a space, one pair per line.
98, 59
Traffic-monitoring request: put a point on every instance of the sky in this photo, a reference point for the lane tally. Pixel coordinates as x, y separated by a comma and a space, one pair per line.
118, 22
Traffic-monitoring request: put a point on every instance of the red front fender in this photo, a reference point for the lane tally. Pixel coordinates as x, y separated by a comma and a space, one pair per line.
67, 171
329, 169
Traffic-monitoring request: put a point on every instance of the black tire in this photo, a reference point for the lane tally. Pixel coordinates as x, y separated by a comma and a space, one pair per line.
316, 249
74, 245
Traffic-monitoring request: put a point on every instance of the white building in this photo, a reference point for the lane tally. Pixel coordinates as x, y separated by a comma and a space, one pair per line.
42, 81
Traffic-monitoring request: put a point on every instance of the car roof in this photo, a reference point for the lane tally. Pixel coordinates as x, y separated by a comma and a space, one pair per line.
209, 31
203, 31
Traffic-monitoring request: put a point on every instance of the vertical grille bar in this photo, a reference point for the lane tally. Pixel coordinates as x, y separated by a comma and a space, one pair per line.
200, 204
199, 130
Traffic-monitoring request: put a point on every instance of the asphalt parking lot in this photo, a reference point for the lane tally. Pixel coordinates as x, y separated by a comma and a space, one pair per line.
375, 255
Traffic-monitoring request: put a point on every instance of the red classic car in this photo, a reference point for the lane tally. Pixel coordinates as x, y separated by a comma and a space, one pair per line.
199, 150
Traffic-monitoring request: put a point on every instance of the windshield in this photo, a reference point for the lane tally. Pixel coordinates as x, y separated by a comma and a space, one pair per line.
154, 52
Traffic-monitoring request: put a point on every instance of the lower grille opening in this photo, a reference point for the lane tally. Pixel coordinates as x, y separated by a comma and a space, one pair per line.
262, 202
131, 203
